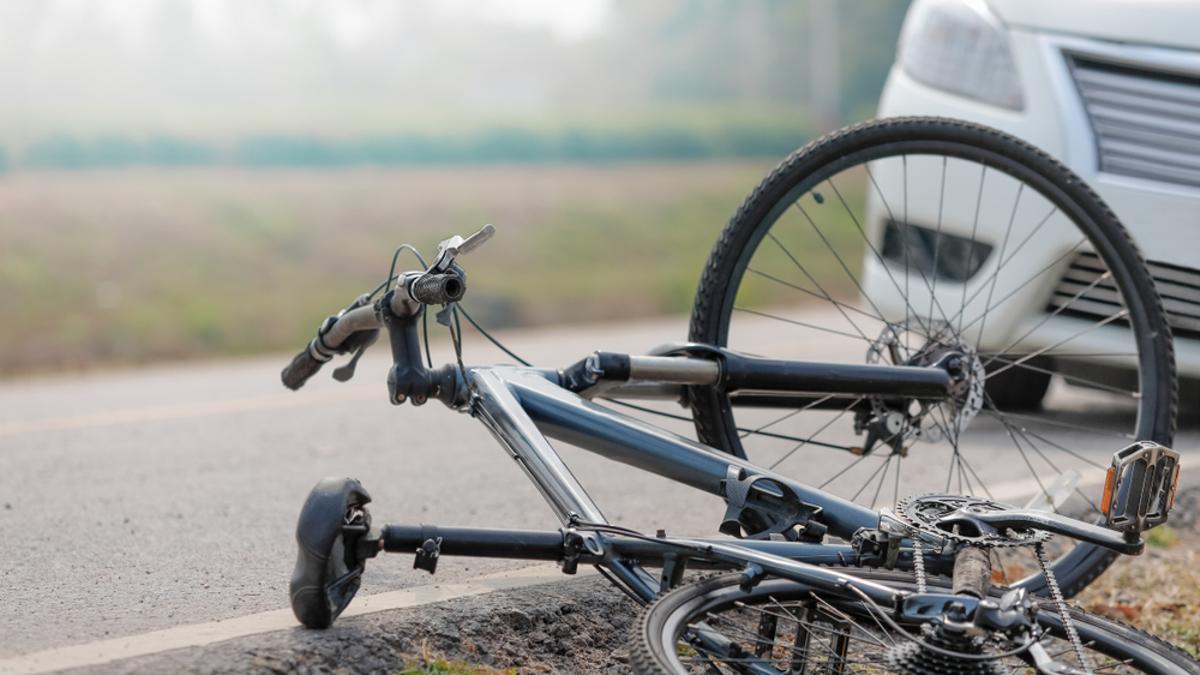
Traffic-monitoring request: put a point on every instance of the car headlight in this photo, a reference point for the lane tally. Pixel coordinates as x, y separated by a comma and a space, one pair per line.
961, 47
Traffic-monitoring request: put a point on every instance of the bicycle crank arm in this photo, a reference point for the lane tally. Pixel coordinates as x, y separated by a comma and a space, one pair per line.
1130, 544
1138, 494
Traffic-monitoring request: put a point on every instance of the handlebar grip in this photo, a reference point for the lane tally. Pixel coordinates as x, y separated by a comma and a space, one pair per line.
300, 369
438, 289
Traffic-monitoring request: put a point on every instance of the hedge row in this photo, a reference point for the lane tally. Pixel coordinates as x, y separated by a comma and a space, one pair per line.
501, 144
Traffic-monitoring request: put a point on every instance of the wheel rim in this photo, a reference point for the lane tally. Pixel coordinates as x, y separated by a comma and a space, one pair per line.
1003, 232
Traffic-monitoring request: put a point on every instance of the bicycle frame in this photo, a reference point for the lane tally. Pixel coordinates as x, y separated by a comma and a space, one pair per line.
524, 407
780, 524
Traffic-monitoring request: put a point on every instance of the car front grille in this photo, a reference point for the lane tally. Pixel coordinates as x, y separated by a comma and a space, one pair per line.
1179, 288
1146, 122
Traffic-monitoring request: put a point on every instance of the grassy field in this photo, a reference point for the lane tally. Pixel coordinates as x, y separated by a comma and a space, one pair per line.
133, 266
117, 267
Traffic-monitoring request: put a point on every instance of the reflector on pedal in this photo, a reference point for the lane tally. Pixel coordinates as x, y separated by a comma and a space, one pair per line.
1139, 489
1110, 482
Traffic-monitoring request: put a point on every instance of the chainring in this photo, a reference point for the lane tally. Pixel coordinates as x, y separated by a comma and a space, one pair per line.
951, 517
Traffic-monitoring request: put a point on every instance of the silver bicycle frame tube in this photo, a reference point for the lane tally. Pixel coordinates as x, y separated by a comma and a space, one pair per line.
501, 412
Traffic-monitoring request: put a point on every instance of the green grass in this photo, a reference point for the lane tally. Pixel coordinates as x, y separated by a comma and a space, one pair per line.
120, 267
1162, 537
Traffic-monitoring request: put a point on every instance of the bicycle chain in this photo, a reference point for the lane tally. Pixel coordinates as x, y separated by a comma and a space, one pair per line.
1061, 604
922, 512
919, 564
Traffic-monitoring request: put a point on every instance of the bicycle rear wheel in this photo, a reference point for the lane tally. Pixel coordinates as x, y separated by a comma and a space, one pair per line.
900, 241
786, 627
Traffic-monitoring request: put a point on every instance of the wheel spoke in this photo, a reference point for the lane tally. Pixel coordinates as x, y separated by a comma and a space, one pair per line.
879, 258
1048, 317
907, 226
1002, 263
1099, 324
971, 248
788, 416
886, 461
1051, 265
836, 303
798, 323
882, 477
1066, 425
1065, 449
996, 276
1066, 376
840, 261
823, 293
937, 241
814, 434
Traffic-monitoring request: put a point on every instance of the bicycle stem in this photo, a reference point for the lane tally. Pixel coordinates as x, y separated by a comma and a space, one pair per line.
409, 379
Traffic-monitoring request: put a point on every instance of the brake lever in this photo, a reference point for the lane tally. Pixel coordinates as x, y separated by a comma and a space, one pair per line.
344, 372
451, 248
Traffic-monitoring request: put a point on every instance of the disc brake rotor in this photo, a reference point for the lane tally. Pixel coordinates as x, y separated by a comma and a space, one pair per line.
933, 421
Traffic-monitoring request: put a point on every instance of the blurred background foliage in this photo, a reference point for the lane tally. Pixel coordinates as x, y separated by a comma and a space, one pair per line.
183, 178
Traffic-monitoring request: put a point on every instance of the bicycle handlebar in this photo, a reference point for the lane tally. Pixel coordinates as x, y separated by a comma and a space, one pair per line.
329, 342
302, 367
442, 283
437, 289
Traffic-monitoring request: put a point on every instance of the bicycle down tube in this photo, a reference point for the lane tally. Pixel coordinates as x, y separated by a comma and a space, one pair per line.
543, 406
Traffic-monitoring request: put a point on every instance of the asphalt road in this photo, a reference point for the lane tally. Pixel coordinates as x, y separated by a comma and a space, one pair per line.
140, 500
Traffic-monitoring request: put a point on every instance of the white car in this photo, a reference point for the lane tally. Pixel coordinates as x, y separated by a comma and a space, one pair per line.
1109, 87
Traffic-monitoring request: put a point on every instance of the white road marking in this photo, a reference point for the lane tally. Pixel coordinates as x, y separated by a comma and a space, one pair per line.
106, 651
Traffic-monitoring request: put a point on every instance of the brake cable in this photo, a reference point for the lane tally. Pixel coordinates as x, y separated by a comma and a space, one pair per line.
523, 362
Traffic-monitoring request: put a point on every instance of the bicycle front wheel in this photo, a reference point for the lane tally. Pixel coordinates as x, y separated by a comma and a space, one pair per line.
782, 626
905, 241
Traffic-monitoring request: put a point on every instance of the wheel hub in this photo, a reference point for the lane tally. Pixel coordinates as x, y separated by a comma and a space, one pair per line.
929, 422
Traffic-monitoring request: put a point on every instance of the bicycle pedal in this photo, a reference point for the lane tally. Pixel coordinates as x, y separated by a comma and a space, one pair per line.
1139, 490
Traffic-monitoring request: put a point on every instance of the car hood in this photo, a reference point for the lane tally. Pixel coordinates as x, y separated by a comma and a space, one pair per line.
1168, 23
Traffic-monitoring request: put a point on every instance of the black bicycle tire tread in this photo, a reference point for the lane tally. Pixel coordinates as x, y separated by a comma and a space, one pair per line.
710, 288
644, 662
